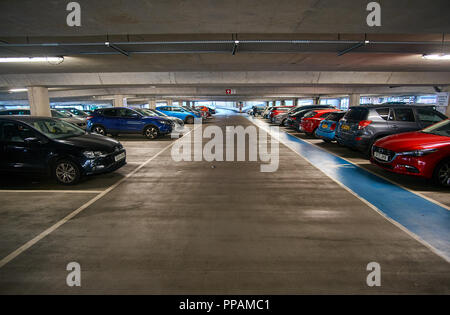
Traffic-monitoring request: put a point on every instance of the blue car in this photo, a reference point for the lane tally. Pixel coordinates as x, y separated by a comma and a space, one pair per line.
119, 120
327, 128
179, 112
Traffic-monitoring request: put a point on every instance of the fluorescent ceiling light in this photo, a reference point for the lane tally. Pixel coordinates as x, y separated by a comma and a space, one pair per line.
437, 57
18, 90
32, 59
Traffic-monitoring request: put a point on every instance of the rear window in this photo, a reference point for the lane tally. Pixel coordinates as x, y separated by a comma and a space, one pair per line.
404, 114
109, 112
357, 114
383, 112
334, 116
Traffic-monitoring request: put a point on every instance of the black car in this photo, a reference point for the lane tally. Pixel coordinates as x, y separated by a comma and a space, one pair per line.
295, 116
49, 146
365, 124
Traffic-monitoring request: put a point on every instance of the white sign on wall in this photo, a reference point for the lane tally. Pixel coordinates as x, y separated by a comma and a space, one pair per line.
442, 99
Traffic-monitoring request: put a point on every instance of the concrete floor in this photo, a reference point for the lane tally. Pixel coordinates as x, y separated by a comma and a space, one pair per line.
190, 228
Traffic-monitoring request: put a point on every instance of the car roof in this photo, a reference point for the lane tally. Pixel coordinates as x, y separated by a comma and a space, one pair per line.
368, 106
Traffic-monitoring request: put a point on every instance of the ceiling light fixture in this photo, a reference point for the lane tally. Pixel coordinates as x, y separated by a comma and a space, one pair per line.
18, 90
437, 57
32, 59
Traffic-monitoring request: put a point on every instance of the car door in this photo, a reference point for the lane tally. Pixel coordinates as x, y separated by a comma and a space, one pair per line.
130, 120
402, 120
21, 154
428, 117
178, 112
110, 119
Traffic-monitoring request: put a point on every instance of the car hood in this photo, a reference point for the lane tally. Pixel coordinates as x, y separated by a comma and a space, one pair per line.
92, 142
412, 141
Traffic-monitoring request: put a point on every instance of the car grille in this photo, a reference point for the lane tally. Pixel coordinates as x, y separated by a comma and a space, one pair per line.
389, 153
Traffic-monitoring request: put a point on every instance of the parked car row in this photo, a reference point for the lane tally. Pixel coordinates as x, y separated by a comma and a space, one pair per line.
73, 143
405, 139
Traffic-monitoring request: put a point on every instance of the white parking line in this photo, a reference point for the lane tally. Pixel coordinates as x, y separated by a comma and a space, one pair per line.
55, 226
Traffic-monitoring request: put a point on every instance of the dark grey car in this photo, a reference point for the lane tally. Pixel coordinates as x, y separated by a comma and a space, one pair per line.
365, 124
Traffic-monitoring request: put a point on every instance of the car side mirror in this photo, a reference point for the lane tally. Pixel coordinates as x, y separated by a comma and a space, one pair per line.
32, 141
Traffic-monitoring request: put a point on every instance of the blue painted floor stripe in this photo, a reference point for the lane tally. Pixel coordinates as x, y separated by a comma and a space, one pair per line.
427, 220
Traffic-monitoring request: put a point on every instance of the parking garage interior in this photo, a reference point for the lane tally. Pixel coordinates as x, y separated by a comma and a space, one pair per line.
161, 224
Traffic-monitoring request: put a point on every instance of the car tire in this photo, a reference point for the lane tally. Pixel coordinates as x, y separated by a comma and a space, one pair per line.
99, 130
189, 120
66, 172
441, 174
151, 132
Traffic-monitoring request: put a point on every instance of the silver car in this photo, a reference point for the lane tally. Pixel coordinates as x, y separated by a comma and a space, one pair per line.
67, 116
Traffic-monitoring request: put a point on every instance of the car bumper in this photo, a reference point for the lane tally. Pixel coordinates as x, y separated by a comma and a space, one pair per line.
358, 142
414, 166
103, 165
325, 135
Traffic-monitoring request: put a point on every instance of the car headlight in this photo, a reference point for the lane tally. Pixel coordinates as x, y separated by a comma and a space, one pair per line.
165, 122
417, 152
93, 154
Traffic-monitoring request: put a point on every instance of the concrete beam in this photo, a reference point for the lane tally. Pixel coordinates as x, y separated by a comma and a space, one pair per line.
228, 79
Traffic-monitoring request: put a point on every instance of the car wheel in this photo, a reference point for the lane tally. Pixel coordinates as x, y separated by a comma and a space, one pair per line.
189, 120
151, 132
99, 130
67, 172
442, 173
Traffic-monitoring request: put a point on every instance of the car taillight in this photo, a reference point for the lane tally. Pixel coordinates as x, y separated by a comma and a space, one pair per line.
332, 127
363, 124
294, 118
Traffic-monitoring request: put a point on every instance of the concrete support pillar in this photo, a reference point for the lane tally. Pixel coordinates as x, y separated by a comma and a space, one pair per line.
120, 101
283, 102
188, 103
39, 101
152, 104
316, 100
354, 99
295, 102
180, 103
169, 102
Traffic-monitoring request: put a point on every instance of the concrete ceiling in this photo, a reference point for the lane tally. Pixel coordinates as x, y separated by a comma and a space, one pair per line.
101, 17
183, 49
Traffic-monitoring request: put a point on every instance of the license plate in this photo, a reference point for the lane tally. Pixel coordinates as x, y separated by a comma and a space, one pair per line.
345, 127
324, 126
381, 156
119, 157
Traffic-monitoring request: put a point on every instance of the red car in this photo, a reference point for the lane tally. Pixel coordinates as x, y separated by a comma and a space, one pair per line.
277, 111
423, 153
311, 120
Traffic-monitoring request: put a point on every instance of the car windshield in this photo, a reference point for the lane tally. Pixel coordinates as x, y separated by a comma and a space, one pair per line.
58, 114
57, 129
159, 113
145, 112
65, 112
440, 129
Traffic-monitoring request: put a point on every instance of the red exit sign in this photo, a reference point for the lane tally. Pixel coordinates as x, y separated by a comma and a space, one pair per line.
230, 91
